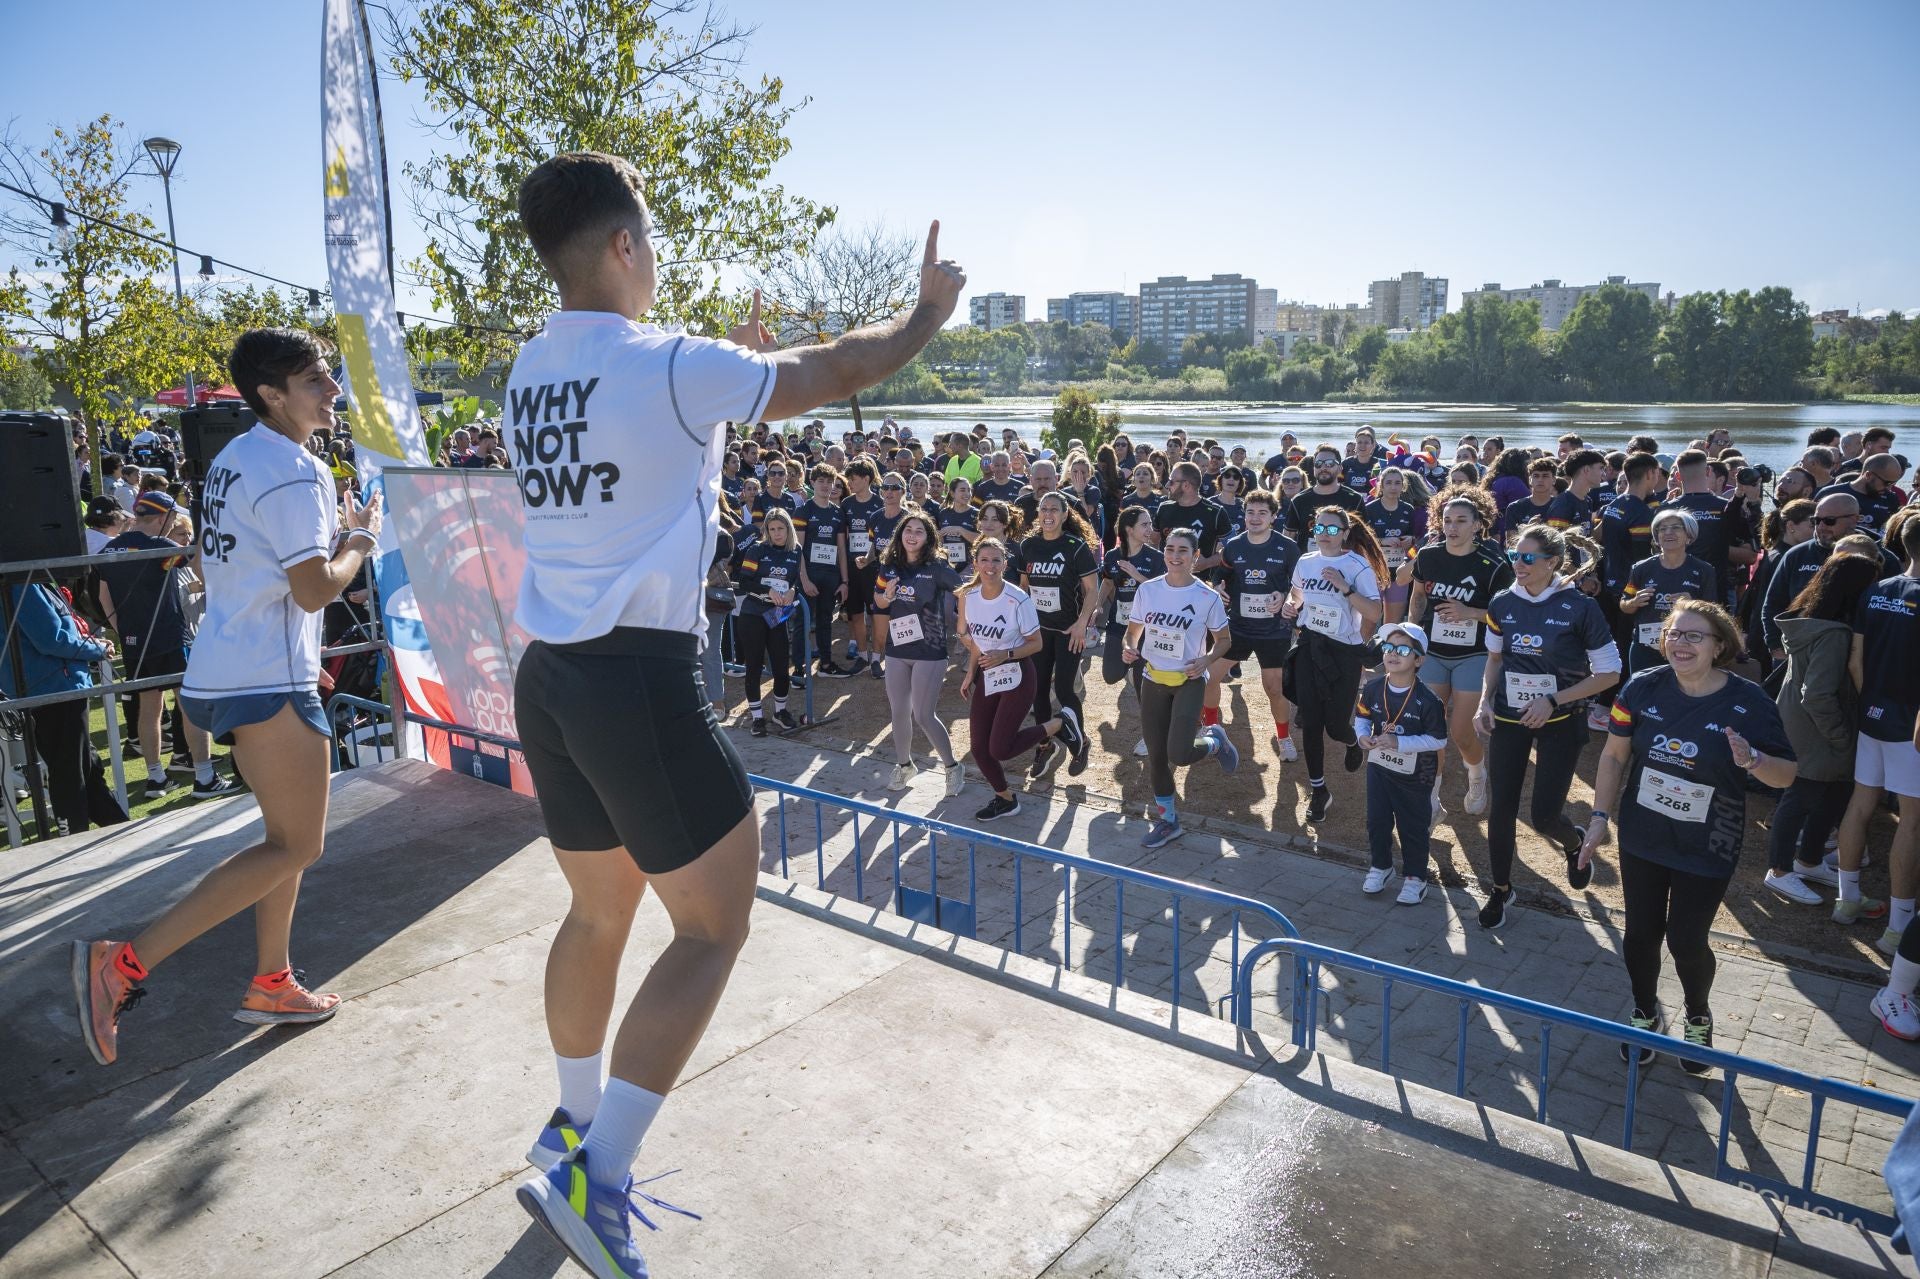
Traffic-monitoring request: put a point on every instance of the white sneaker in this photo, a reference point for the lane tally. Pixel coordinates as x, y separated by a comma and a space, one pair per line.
1140, 748
1288, 753
1897, 1015
1818, 873
1412, 891
1598, 717
1793, 888
1376, 880
902, 777
1832, 860
1476, 802
956, 778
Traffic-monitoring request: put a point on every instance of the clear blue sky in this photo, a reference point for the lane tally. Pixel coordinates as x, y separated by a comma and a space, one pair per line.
1084, 146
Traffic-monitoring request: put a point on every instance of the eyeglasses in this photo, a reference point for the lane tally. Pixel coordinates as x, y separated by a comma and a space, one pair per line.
1293, 483
893, 488
1399, 650
1695, 638
1828, 521
1329, 530
1527, 557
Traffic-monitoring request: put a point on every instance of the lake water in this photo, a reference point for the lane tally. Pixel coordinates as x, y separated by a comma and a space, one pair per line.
1771, 433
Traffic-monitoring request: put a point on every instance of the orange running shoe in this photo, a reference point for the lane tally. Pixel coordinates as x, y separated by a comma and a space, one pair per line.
102, 992
290, 1004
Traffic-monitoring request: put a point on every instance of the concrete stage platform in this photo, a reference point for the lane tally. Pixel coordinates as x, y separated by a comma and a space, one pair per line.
873, 1100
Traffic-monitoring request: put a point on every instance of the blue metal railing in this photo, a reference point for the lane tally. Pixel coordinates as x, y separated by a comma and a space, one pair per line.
973, 840
1304, 1014
342, 711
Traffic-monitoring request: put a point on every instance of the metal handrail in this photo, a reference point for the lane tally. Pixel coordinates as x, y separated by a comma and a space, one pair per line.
1304, 1016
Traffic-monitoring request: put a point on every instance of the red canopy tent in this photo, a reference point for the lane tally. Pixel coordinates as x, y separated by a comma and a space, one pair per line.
177, 397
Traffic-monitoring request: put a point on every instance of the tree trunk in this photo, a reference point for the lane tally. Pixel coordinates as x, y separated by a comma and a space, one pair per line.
853, 402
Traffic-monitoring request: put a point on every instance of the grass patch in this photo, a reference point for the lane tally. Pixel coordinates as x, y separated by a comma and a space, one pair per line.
136, 773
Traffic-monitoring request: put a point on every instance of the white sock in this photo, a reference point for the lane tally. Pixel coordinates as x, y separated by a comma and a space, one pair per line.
755, 707
1849, 885
1899, 913
1477, 772
626, 1112
203, 772
1904, 977
579, 1085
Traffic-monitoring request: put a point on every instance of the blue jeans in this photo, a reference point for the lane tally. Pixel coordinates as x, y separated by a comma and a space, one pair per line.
1411, 808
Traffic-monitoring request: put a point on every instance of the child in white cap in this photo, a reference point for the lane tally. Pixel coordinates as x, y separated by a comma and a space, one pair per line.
1402, 726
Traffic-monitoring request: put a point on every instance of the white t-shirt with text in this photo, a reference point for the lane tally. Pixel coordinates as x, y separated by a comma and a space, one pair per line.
1001, 624
1175, 621
614, 431
1324, 608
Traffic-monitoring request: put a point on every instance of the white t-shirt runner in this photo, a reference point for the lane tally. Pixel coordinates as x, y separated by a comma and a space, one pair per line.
1175, 622
1003, 623
614, 436
1324, 608
267, 505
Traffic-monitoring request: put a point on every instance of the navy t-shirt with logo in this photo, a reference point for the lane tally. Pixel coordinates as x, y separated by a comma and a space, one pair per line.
859, 513
1684, 804
1259, 569
1709, 513
821, 526
1410, 712
1471, 581
1147, 562
921, 593
1553, 636
1651, 576
756, 566
146, 603
1888, 623
992, 490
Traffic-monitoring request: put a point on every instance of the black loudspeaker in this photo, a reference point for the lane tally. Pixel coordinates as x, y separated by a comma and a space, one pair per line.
205, 431
39, 488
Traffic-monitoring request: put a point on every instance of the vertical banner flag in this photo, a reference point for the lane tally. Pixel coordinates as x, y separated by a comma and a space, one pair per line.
386, 420
462, 533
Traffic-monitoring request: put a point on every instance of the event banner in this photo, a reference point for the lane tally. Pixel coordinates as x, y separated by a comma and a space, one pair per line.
461, 533
386, 421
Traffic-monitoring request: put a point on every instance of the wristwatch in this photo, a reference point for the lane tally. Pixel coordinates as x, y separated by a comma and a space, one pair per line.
1753, 763
1600, 815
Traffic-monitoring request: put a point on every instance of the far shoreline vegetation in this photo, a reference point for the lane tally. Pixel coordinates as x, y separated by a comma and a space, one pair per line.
1616, 348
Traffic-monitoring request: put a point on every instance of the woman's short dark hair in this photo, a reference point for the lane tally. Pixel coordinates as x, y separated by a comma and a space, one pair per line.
1726, 632
268, 357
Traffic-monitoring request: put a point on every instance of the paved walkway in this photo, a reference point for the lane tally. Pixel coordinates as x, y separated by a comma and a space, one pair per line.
1793, 1011
873, 1099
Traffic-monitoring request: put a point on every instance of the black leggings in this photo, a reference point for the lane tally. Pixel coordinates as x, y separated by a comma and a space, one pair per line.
758, 646
1112, 669
1056, 673
1675, 907
1170, 721
1558, 743
1325, 688
1808, 813
824, 606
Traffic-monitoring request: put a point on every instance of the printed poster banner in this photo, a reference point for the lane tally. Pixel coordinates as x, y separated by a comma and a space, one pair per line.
386, 422
461, 531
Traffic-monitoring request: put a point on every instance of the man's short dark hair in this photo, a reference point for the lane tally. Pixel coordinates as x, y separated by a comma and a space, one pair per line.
1543, 466
1643, 444
1690, 458
573, 201
1875, 434
1638, 464
268, 357
110, 463
1579, 460
1824, 435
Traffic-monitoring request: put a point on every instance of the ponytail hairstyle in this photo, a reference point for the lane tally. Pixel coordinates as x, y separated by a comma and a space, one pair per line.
1071, 520
1562, 544
984, 544
1463, 495
1010, 517
1360, 540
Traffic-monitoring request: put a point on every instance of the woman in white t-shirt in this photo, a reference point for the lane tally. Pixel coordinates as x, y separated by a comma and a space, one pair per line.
1336, 600
272, 558
1177, 628
1001, 630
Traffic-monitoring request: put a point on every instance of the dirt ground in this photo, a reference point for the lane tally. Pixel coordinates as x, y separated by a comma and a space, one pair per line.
1265, 801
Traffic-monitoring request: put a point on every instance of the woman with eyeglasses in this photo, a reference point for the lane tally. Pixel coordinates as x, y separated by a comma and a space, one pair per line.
1133, 561
1549, 648
1292, 483
1335, 597
1454, 582
1001, 630
1657, 581
1683, 739
1176, 630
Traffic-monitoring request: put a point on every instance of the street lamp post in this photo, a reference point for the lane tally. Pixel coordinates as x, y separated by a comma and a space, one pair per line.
165, 153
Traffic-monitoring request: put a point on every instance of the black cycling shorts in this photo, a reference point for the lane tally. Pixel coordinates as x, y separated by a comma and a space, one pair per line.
860, 588
1271, 650
625, 749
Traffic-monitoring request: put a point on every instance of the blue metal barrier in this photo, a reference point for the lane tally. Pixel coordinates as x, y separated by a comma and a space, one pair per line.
936, 830
342, 710
1308, 957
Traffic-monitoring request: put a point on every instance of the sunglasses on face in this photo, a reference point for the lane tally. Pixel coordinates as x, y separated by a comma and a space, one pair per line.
1527, 557
1399, 650
1291, 484
892, 488
1695, 638
1828, 521
1329, 530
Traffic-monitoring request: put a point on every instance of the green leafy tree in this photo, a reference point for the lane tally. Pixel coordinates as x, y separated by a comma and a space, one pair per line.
1077, 420
91, 302
1366, 347
1253, 375
1745, 346
1607, 344
23, 386
846, 280
511, 82
1210, 350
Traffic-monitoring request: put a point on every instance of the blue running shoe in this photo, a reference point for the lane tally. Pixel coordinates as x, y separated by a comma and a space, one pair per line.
593, 1223
1161, 833
1226, 752
557, 1140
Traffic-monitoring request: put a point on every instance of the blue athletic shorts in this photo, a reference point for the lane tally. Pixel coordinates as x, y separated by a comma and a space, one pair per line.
221, 715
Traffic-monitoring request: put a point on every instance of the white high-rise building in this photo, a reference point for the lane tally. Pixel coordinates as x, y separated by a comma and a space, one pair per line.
1117, 311
996, 310
1557, 300
1413, 301
1173, 308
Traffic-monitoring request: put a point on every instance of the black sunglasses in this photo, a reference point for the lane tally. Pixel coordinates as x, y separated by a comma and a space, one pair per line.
1828, 521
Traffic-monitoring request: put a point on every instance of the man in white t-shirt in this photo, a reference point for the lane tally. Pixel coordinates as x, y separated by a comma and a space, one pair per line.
614, 428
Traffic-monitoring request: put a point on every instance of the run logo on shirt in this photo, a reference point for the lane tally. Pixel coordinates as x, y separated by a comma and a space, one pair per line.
1180, 621
548, 425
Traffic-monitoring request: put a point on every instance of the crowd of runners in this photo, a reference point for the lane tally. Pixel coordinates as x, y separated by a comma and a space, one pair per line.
1404, 609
